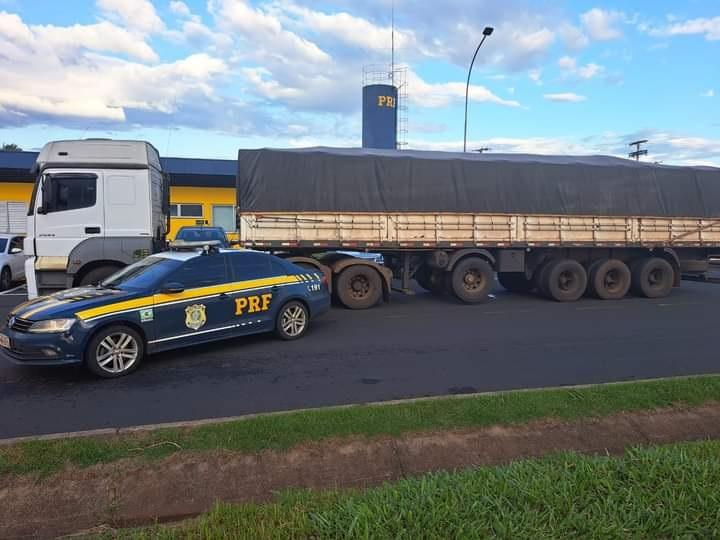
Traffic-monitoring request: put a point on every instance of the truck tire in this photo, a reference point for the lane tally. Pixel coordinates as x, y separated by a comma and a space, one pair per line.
115, 351
471, 279
564, 280
515, 282
5, 279
431, 280
652, 277
539, 278
96, 275
359, 287
609, 279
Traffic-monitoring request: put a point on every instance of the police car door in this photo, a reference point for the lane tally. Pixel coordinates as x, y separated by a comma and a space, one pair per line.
199, 309
260, 287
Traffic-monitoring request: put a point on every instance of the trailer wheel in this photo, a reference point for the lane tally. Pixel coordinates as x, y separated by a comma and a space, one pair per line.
564, 280
471, 279
515, 282
430, 280
652, 277
540, 279
608, 279
359, 287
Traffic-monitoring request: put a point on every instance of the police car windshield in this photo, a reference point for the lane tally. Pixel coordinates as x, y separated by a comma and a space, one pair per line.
200, 234
143, 274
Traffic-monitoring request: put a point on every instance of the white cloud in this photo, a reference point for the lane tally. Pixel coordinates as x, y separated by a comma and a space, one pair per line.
432, 95
708, 93
264, 33
570, 67
180, 8
535, 76
137, 15
67, 42
567, 63
588, 71
601, 25
352, 30
564, 97
57, 76
709, 27
573, 37
103, 36
664, 147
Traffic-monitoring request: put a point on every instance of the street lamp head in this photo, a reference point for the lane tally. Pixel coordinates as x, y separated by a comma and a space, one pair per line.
488, 30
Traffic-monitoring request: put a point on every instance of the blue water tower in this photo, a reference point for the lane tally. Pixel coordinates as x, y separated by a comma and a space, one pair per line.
380, 106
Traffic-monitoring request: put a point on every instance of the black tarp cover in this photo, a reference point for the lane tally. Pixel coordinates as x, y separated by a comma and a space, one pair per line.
362, 180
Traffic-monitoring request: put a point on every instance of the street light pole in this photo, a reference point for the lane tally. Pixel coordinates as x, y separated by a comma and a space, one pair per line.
486, 32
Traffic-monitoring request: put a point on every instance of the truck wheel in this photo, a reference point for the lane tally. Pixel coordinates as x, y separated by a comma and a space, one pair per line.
96, 275
539, 278
515, 282
5, 279
359, 287
652, 277
471, 279
292, 321
608, 279
430, 280
114, 351
564, 280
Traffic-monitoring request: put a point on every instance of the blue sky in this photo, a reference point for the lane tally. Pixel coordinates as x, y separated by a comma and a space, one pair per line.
203, 78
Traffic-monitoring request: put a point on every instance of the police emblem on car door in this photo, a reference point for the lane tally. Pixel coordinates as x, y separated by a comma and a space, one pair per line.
201, 308
195, 317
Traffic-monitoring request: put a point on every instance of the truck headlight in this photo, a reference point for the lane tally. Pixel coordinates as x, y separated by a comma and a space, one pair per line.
52, 326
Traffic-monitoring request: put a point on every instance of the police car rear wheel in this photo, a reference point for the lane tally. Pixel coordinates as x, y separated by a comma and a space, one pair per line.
114, 352
292, 321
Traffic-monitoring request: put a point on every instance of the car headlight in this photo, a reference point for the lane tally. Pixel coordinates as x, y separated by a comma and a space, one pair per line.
52, 326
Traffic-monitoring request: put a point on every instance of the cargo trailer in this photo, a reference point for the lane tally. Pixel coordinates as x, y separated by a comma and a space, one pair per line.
564, 226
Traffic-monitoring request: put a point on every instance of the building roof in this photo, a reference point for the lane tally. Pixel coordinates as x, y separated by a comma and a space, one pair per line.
15, 167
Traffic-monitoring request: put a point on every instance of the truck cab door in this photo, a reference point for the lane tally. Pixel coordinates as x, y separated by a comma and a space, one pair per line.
68, 209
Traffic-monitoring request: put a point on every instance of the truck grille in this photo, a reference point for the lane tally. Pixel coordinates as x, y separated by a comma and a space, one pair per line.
18, 324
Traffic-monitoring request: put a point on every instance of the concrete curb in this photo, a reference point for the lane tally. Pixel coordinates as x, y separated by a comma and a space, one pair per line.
115, 431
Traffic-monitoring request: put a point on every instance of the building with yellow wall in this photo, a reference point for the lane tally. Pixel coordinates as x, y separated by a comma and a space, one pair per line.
202, 191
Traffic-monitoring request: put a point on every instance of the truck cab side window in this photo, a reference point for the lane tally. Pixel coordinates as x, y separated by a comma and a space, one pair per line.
70, 193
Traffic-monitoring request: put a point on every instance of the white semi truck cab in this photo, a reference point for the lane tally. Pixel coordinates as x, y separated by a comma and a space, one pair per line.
97, 205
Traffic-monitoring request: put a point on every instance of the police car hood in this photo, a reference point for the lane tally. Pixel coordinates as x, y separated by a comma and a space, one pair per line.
67, 303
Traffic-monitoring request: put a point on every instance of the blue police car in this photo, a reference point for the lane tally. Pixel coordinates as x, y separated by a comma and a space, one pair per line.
165, 301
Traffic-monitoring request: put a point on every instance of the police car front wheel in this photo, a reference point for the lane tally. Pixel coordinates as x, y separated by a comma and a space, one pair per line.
114, 351
292, 320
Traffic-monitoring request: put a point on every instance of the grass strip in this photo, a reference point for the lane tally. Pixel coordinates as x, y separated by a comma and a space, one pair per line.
286, 430
660, 492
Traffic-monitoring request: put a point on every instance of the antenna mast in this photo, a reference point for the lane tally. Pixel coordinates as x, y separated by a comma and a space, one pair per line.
392, 43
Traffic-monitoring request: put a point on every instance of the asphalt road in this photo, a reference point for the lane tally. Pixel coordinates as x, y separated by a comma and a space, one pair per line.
414, 346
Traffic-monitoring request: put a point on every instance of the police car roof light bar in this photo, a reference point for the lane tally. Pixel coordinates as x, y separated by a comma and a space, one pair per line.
205, 245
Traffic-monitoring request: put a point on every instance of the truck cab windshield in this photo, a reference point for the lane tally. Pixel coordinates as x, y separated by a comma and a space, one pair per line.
143, 274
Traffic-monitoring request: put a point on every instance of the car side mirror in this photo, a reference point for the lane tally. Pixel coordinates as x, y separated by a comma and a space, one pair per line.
15, 251
172, 288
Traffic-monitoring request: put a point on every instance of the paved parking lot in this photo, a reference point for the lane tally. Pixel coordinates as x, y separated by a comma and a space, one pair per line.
414, 346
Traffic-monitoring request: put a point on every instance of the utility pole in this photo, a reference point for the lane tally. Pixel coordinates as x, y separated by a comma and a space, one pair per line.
638, 152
